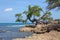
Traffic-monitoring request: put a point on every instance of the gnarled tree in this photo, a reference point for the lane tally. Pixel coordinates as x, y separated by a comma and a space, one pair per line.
53, 4
33, 14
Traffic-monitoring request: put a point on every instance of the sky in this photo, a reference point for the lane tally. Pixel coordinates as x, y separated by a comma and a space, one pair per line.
8, 9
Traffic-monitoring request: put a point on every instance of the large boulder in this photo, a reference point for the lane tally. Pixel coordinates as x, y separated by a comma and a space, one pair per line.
53, 27
40, 28
26, 29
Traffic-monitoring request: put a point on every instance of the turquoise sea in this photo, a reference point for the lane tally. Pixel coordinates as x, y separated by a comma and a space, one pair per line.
12, 31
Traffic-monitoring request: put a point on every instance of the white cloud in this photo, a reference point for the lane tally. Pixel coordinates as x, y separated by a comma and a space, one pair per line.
8, 9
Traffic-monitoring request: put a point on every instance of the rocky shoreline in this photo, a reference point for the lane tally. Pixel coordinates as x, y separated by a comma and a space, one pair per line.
53, 35
50, 31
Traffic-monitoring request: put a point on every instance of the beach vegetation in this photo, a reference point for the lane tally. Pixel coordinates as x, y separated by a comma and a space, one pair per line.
33, 14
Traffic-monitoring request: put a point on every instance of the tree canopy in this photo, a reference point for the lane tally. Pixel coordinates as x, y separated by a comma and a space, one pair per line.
53, 4
33, 14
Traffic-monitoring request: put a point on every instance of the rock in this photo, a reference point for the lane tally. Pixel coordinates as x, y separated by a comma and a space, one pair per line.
25, 29
53, 35
53, 27
55, 22
40, 29
32, 26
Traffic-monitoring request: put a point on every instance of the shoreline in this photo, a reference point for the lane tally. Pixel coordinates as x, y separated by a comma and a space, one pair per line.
53, 35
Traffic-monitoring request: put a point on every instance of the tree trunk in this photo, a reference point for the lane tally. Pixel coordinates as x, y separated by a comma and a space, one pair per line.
53, 5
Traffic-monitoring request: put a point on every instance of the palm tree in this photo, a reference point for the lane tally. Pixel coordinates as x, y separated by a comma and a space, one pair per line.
53, 4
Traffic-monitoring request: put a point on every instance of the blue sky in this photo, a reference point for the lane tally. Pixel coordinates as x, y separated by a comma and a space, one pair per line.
8, 9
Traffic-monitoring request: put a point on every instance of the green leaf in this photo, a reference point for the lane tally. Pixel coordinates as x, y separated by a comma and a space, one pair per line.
17, 20
18, 15
37, 14
53, 4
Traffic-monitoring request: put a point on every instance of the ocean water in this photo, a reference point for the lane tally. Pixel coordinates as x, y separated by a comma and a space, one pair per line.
12, 31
